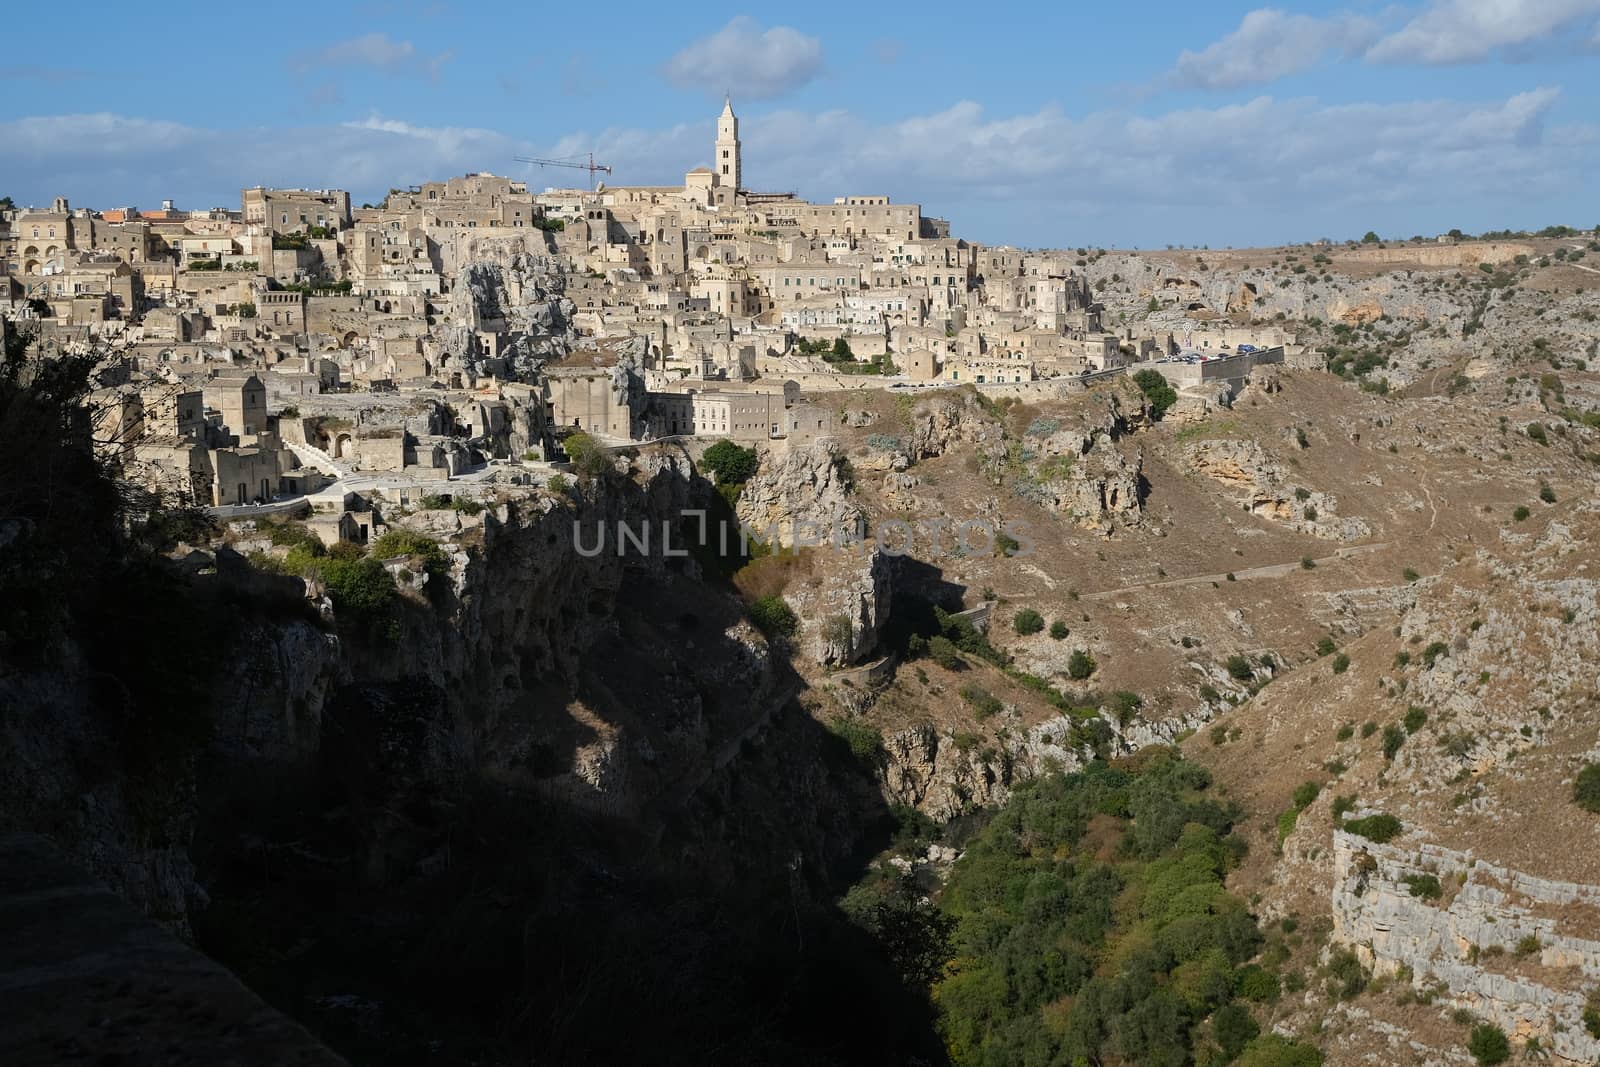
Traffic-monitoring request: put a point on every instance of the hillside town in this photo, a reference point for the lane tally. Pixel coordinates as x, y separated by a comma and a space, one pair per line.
303, 347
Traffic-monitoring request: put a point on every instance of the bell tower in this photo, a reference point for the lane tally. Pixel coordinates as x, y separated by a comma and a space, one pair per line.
726, 165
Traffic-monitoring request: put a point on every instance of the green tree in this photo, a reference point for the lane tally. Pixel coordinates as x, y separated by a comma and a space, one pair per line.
1059, 631
1370, 238
1488, 1044
1027, 621
1586, 789
731, 464
589, 458
773, 616
1080, 665
841, 351
1233, 1028
1156, 390
944, 653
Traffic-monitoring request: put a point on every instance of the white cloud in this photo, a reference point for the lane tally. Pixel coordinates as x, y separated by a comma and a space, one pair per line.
743, 59
378, 51
1266, 169
1271, 44
1465, 31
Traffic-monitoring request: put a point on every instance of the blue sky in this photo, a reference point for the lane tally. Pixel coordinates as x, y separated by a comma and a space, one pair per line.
1127, 124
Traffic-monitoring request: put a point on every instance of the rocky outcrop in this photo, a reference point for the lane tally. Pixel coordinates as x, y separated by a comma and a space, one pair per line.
1514, 949
846, 605
516, 292
802, 495
1078, 469
1262, 487
944, 774
948, 420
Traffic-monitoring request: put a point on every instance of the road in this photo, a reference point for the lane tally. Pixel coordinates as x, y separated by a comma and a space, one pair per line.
1270, 570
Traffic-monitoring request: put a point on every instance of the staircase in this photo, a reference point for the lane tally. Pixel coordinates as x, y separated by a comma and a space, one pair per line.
312, 456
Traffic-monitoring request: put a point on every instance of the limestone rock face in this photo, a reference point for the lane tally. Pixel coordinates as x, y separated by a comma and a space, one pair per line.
1262, 486
946, 421
1080, 471
933, 772
802, 495
516, 291
282, 679
929, 771
844, 610
1441, 942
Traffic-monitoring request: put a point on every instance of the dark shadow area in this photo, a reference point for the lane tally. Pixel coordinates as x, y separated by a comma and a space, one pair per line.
409, 909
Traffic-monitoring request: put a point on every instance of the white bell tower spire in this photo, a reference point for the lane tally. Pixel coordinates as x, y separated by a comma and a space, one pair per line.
726, 165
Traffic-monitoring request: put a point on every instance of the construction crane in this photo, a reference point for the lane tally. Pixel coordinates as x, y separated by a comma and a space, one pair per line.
576, 164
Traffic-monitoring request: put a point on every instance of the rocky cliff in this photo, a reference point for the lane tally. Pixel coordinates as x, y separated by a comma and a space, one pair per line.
1517, 950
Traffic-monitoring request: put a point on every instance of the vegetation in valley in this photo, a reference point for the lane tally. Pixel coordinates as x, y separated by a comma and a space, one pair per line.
1087, 923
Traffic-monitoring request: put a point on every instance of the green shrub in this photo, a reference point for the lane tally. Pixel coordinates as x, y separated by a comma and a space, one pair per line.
984, 704
1341, 663
1536, 433
944, 653
1058, 630
1346, 732
1239, 668
1307, 563
1270, 1050
1527, 946
1287, 821
1435, 649
1547, 494
1416, 718
1423, 886
1381, 828
1393, 738
1410, 575
1305, 794
773, 617
864, 741
1255, 983
1027, 621
1325, 645
589, 458
1368, 728
1232, 1027
1521, 513
1586, 789
1346, 977
1488, 1044
1342, 806
398, 543
1124, 706
1080, 665
1591, 1015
